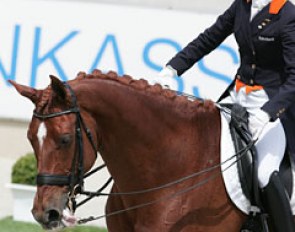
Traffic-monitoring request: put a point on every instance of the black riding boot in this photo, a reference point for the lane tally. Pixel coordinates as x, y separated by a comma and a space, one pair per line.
278, 205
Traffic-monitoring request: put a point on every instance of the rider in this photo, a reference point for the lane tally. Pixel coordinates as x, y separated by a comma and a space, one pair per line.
264, 85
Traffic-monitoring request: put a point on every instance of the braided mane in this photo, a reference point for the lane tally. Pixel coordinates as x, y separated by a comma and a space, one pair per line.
142, 84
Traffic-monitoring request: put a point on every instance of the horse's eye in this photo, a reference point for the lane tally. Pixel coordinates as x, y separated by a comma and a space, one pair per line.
65, 140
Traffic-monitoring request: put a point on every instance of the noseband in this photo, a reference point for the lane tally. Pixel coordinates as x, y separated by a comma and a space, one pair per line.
75, 180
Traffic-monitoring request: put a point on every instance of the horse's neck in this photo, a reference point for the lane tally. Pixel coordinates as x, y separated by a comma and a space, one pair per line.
141, 134
124, 112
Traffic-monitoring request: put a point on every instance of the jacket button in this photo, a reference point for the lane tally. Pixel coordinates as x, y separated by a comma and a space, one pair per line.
238, 77
251, 82
253, 66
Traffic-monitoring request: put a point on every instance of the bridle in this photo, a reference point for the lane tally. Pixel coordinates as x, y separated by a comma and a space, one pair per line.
75, 180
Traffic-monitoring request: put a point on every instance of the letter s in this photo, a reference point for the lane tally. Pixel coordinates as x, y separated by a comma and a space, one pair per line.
148, 61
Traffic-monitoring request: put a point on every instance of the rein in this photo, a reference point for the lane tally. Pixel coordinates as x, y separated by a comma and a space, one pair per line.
204, 171
178, 193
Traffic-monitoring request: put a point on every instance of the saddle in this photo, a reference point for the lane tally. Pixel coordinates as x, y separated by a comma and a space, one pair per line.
247, 167
246, 156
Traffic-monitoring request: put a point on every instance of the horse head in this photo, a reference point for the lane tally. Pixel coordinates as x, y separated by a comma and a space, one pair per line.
63, 149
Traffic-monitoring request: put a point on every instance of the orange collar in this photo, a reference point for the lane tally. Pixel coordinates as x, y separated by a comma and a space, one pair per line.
249, 88
275, 5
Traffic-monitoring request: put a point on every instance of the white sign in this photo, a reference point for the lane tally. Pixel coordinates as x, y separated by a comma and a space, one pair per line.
39, 38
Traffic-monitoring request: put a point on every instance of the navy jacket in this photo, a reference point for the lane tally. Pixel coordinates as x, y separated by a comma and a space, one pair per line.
267, 54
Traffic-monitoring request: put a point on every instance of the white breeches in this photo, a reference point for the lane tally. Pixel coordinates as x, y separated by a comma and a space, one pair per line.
272, 142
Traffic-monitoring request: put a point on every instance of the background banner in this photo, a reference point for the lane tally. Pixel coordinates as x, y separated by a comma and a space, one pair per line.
39, 38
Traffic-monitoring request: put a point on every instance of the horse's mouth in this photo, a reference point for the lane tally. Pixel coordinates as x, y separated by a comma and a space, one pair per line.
67, 220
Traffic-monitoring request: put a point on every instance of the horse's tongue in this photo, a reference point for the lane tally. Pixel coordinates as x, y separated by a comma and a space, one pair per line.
69, 219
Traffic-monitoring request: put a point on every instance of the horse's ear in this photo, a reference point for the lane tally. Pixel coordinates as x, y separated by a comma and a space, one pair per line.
26, 91
58, 88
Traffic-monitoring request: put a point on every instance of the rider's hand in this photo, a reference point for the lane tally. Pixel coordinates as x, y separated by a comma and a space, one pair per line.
167, 72
165, 77
257, 123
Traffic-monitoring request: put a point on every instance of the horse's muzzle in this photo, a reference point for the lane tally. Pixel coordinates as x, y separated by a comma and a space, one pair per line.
49, 219
49, 204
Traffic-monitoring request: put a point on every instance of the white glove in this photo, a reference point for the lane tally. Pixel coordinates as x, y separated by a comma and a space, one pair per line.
164, 77
257, 123
167, 72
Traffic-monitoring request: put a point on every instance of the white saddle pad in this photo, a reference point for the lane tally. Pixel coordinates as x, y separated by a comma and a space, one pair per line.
230, 171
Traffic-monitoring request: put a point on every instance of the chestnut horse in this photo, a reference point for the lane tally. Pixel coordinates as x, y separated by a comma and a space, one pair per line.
147, 137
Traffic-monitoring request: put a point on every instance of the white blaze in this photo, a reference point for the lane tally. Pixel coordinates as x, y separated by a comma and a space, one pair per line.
42, 132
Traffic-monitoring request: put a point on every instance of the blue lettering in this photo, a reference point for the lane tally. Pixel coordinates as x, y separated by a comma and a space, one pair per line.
12, 73
37, 61
112, 40
154, 43
214, 74
196, 92
147, 60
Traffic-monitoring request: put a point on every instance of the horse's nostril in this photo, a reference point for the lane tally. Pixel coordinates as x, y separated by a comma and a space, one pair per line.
53, 215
